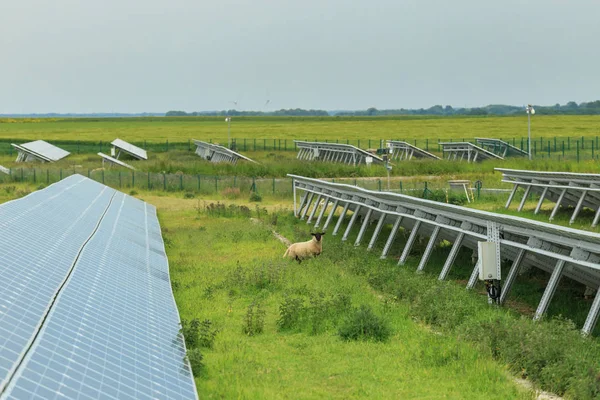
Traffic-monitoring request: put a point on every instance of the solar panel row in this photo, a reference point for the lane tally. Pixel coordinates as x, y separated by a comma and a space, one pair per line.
130, 149
86, 308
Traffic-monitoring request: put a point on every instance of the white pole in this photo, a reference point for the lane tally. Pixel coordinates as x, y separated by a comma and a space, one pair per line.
529, 131
228, 132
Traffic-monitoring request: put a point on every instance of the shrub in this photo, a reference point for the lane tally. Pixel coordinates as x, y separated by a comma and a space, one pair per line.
290, 312
190, 331
188, 195
195, 357
254, 320
364, 324
207, 334
133, 192
254, 196
231, 193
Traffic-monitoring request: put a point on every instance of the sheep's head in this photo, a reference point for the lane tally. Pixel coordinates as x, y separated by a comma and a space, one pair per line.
318, 235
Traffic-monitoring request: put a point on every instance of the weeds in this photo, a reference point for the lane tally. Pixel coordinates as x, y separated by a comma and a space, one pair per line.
364, 324
254, 320
195, 358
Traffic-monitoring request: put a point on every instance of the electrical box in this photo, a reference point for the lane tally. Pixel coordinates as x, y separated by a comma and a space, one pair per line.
112, 151
488, 261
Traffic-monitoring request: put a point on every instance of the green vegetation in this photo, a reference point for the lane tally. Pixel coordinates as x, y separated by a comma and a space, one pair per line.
279, 323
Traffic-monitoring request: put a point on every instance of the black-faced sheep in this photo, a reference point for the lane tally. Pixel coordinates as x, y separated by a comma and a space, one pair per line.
302, 250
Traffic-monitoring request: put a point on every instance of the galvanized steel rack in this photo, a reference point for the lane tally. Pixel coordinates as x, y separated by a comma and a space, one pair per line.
405, 151
334, 152
500, 147
39, 151
458, 151
106, 159
562, 188
128, 148
557, 250
215, 153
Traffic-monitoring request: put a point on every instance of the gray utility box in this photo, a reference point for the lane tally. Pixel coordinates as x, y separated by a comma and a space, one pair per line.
488, 262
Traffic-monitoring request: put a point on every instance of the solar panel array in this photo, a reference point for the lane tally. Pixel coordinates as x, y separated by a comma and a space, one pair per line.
563, 188
112, 160
86, 308
39, 150
130, 149
405, 151
459, 151
334, 152
216, 153
500, 147
560, 251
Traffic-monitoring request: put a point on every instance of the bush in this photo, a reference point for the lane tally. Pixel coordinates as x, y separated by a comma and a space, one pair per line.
290, 313
231, 193
207, 334
364, 324
133, 192
190, 332
254, 320
195, 357
254, 196
41, 186
188, 195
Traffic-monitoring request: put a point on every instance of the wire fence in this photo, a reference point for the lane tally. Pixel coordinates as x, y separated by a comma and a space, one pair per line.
226, 186
557, 147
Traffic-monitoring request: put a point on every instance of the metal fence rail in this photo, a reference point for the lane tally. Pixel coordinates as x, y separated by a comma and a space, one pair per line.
558, 250
563, 188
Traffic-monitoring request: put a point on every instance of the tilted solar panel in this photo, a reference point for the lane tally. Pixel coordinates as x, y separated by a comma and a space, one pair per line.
113, 329
113, 160
130, 149
46, 149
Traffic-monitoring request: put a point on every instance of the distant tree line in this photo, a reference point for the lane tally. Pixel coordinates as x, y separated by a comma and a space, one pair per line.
293, 112
571, 108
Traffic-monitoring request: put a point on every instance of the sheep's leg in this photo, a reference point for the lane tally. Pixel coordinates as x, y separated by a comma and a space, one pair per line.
298, 259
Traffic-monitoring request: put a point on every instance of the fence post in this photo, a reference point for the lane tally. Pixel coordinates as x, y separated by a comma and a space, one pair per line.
167, 144
165, 182
563, 149
47, 176
88, 173
216, 184
273, 185
427, 144
144, 144
264, 144
198, 177
60, 173
119, 179
132, 179
379, 184
578, 151
181, 182
568, 142
103, 177
592, 149
78, 147
534, 147
400, 186
149, 187
35, 179
244, 144
369, 143
234, 180
548, 149
189, 144
582, 143
285, 144
253, 187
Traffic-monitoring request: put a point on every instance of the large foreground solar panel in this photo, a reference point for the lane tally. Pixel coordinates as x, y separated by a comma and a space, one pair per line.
86, 308
39, 151
130, 149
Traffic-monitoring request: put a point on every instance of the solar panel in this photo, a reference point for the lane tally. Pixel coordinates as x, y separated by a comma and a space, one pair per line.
130, 149
39, 151
500, 147
215, 153
458, 151
405, 151
334, 152
113, 329
112, 160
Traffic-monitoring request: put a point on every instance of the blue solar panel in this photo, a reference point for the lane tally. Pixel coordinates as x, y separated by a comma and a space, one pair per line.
113, 330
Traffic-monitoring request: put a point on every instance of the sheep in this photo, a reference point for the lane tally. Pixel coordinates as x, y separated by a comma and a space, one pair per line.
302, 250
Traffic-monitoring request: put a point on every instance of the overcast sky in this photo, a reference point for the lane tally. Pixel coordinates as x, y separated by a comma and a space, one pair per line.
192, 55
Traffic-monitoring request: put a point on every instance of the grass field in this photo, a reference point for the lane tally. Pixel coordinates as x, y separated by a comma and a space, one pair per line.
180, 129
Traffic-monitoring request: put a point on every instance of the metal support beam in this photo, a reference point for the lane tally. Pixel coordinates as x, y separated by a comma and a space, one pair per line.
560, 199
363, 228
331, 214
539, 204
592, 318
550, 289
512, 275
430, 245
326, 203
341, 219
578, 207
474, 276
390, 240
310, 197
376, 232
314, 210
524, 199
351, 223
452, 256
409, 242
512, 194
302, 201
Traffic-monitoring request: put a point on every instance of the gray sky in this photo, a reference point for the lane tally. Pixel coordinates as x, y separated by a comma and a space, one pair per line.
157, 55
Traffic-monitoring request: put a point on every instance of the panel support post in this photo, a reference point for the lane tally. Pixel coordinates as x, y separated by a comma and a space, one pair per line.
524, 199
390, 240
331, 214
377, 230
409, 243
560, 199
550, 289
578, 207
452, 256
325, 204
302, 201
592, 318
512, 275
294, 189
341, 219
429, 248
363, 228
314, 210
351, 223
307, 205
474, 276
539, 204
512, 194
